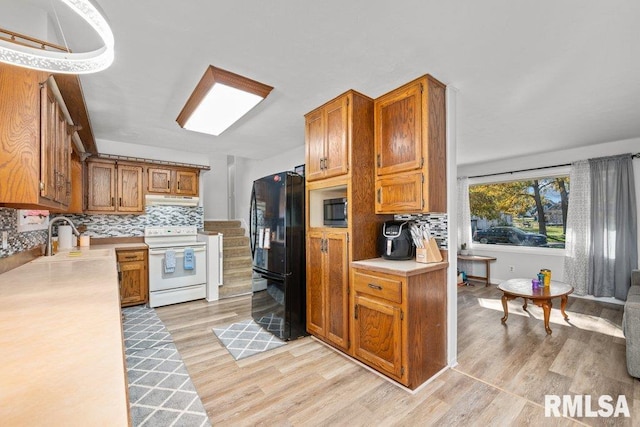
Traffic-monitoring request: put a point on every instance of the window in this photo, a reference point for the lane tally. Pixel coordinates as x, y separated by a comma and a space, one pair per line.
530, 212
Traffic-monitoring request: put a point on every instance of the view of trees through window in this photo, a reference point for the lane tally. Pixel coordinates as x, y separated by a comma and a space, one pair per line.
523, 213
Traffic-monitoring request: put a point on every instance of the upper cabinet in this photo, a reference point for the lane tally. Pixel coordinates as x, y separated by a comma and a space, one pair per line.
165, 180
410, 148
113, 187
328, 137
35, 140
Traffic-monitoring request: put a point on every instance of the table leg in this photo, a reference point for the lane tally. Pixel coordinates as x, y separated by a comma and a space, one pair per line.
488, 274
504, 307
563, 304
546, 306
524, 306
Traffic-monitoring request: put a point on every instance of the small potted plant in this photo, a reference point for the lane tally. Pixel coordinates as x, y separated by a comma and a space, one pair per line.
463, 249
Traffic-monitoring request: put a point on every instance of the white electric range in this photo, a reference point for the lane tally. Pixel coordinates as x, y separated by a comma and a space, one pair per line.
179, 280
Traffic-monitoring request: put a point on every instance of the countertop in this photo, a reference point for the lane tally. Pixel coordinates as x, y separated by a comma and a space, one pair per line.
402, 268
62, 358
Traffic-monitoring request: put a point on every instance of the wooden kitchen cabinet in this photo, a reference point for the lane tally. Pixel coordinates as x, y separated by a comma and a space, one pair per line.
340, 164
35, 141
114, 187
158, 180
133, 277
399, 321
327, 286
410, 148
164, 180
329, 134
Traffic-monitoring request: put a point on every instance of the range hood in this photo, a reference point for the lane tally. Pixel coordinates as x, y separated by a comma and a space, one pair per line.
159, 200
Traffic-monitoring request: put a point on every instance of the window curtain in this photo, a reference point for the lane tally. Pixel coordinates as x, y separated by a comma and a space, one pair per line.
464, 213
613, 247
576, 261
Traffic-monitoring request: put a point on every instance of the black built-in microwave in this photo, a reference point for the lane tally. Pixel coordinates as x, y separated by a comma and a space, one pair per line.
335, 212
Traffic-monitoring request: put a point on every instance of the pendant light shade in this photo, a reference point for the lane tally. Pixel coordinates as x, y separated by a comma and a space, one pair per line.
219, 100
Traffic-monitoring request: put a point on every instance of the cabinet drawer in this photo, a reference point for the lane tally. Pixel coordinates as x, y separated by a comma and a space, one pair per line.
124, 256
378, 286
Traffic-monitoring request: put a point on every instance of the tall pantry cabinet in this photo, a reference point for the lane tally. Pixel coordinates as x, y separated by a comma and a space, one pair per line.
339, 164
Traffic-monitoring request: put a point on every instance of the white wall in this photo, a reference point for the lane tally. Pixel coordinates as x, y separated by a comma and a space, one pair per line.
248, 170
214, 189
528, 261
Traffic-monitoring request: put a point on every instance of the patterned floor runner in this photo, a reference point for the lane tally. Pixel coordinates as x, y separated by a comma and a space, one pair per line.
160, 390
246, 338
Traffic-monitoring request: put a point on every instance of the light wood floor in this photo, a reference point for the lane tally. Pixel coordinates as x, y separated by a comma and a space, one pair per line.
501, 379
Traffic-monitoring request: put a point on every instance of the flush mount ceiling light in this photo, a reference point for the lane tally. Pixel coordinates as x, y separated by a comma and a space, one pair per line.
219, 100
22, 54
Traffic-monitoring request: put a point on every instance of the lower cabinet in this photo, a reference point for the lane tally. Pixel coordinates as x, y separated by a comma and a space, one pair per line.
132, 277
399, 322
327, 287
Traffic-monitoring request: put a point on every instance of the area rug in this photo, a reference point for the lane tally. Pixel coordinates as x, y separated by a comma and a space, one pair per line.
246, 338
161, 392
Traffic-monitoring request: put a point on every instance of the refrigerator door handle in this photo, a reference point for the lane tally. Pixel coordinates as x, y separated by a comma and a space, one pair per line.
252, 213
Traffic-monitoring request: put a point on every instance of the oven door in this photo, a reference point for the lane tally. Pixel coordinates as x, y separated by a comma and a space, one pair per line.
159, 279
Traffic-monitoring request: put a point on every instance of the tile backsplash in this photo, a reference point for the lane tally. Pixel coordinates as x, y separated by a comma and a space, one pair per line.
133, 225
438, 224
101, 225
18, 242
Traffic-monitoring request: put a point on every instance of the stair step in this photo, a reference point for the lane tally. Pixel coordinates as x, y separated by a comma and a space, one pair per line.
221, 224
236, 251
236, 258
243, 262
235, 241
234, 291
228, 232
236, 280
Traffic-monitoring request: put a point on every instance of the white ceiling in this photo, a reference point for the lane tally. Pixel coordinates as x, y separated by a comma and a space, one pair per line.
531, 77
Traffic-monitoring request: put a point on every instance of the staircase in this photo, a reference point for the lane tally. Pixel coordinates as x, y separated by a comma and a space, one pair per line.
236, 258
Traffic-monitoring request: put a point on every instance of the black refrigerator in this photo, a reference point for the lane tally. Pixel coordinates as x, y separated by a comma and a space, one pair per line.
276, 233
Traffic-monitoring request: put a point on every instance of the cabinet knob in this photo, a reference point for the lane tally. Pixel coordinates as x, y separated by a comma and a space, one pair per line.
374, 286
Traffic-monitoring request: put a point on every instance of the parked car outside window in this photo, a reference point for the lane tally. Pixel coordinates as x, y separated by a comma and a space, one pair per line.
509, 236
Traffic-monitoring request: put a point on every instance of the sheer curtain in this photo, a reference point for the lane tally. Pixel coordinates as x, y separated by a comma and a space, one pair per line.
464, 212
576, 261
614, 246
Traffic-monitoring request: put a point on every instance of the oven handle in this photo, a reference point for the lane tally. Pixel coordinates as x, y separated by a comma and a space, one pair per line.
176, 250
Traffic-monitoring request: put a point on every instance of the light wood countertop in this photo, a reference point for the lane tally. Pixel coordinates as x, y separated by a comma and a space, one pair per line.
402, 268
62, 358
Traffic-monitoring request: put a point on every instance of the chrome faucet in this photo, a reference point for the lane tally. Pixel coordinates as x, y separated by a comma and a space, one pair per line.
49, 252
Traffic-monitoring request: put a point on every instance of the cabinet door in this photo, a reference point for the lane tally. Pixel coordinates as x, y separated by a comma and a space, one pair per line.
336, 272
399, 129
63, 160
399, 193
315, 147
48, 136
158, 180
133, 277
75, 202
315, 284
378, 334
102, 186
130, 189
187, 183
336, 151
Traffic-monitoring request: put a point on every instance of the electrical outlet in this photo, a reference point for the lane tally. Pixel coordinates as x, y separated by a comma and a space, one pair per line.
511, 268
5, 242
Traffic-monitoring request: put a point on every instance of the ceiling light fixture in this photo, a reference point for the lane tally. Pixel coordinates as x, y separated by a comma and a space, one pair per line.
219, 100
36, 57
